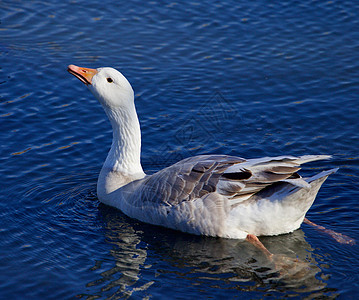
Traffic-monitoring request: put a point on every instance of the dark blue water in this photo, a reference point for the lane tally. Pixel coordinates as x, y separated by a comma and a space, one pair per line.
248, 78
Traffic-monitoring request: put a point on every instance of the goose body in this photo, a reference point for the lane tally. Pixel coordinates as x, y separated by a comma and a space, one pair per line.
213, 195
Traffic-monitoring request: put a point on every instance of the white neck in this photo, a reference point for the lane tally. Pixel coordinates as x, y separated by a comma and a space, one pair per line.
123, 163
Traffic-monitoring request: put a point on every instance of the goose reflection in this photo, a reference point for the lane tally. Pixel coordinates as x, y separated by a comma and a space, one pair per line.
144, 253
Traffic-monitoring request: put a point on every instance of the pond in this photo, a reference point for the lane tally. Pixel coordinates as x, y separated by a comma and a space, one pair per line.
246, 78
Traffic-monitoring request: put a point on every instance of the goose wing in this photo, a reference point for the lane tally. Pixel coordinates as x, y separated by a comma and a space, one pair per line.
233, 177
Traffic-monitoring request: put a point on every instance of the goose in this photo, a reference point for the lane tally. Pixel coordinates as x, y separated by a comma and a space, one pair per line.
212, 195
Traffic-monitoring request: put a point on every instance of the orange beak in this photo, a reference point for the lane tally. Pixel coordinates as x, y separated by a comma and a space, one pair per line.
84, 74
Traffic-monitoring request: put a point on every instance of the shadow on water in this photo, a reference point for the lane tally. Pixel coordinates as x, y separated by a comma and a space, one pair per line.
205, 264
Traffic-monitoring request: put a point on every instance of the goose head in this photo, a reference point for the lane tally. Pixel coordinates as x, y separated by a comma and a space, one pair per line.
108, 85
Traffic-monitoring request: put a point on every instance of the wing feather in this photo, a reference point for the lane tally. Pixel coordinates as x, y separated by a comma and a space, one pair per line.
232, 177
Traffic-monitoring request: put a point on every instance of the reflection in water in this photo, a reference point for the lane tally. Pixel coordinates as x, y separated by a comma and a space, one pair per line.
129, 258
145, 255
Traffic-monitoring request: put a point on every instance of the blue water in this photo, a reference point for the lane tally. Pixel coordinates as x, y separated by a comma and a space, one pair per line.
248, 78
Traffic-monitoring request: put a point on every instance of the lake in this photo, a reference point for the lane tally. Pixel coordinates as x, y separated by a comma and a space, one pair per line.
246, 78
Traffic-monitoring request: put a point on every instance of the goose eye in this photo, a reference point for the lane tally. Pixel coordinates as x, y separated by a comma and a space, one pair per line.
109, 80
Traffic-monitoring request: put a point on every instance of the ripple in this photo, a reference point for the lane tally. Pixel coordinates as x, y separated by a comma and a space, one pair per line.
244, 78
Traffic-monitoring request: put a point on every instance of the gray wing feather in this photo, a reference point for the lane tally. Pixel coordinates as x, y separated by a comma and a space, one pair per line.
233, 177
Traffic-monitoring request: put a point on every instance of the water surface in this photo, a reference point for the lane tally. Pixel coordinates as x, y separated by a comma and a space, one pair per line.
247, 78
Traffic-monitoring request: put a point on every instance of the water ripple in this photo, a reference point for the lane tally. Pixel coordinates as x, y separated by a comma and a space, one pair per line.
248, 78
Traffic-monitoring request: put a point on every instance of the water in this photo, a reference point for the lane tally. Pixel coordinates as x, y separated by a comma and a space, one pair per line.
234, 77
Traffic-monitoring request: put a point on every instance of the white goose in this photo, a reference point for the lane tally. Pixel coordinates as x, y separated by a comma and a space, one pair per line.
213, 195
